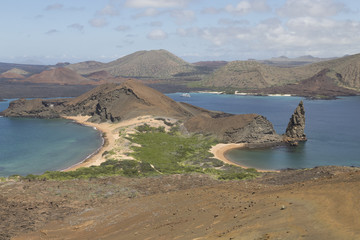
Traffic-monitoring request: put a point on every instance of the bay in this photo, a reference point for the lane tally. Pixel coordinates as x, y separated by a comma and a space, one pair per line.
33, 146
332, 128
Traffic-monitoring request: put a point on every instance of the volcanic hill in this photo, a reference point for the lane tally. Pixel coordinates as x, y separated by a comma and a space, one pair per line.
14, 73
141, 64
114, 103
62, 76
344, 72
321, 85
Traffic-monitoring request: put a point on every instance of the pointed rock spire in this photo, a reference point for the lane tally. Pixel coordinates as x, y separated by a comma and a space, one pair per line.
295, 129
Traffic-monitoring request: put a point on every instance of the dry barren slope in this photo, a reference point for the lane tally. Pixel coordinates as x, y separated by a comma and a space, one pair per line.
320, 203
141, 64
62, 76
85, 67
251, 74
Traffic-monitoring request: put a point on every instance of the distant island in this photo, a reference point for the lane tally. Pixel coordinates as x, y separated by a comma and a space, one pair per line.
304, 76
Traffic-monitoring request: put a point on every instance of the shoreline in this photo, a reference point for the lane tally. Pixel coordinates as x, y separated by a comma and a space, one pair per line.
219, 151
94, 158
109, 143
112, 141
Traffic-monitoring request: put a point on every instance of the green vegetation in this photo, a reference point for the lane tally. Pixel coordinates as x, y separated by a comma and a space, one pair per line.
127, 168
172, 152
161, 152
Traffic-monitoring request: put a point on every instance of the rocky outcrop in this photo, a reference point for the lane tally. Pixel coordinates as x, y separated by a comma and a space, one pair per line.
296, 126
114, 103
244, 128
35, 108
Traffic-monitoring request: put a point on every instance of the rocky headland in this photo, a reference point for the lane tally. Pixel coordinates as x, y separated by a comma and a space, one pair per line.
114, 103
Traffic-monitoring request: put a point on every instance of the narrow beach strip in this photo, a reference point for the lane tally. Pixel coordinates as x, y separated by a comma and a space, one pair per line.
95, 158
219, 151
110, 134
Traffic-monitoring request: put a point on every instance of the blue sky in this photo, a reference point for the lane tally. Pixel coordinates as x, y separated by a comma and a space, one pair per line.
51, 31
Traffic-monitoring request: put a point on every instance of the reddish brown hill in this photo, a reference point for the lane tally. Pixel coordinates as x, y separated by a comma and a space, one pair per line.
128, 100
62, 76
14, 73
10, 75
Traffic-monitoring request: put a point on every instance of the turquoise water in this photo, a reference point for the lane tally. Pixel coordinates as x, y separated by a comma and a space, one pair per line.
37, 145
332, 128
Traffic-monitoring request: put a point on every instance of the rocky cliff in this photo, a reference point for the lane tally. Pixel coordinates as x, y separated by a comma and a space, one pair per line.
296, 126
114, 103
244, 128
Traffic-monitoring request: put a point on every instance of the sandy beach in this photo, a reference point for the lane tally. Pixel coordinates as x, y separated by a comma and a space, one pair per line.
114, 141
219, 151
119, 146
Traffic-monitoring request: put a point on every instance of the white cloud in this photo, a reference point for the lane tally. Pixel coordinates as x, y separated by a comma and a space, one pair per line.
211, 10
98, 22
109, 10
51, 31
232, 22
156, 24
183, 16
156, 3
55, 6
247, 6
157, 34
311, 8
77, 26
149, 12
298, 36
122, 28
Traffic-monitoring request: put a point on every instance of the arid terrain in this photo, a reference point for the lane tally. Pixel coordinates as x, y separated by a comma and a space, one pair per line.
319, 203
167, 72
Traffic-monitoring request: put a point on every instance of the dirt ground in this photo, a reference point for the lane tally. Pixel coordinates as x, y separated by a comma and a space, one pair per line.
318, 203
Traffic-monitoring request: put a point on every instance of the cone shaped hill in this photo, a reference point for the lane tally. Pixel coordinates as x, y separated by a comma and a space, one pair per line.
141, 64
114, 103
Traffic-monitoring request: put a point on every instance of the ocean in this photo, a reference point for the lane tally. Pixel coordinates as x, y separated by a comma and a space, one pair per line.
38, 145
332, 129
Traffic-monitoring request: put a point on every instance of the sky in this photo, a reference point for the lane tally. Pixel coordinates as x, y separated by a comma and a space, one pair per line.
52, 31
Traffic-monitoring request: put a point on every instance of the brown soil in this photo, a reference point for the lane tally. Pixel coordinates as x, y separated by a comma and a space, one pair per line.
319, 203
62, 76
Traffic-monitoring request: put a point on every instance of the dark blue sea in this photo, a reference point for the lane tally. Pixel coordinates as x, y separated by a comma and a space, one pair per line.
332, 128
37, 145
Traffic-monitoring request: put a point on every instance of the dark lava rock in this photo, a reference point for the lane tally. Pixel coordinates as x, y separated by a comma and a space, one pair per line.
244, 128
295, 129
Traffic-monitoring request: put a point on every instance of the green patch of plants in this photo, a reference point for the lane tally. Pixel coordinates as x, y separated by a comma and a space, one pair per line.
160, 152
170, 152
127, 168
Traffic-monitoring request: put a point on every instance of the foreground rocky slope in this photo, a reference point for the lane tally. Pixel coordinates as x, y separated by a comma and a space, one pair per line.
319, 203
132, 99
